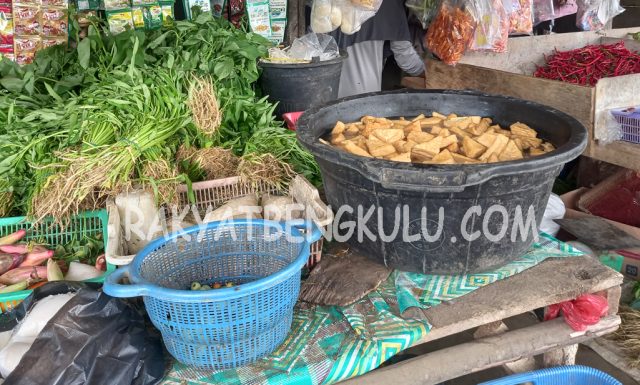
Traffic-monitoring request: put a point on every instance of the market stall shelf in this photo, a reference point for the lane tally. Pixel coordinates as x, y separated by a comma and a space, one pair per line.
511, 74
534, 288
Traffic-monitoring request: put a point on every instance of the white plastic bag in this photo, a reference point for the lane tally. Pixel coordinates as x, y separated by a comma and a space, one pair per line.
321, 16
348, 15
555, 210
593, 15
314, 45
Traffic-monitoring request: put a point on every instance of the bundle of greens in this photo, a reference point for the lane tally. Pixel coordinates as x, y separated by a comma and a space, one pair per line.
81, 124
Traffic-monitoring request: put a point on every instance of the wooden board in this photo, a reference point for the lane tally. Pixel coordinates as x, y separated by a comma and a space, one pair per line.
445, 364
569, 98
552, 281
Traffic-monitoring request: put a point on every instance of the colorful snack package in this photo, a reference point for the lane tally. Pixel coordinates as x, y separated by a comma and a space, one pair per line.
137, 13
492, 29
55, 3
520, 16
54, 22
6, 26
259, 18
450, 32
111, 5
167, 14
51, 41
119, 21
152, 17
26, 19
25, 48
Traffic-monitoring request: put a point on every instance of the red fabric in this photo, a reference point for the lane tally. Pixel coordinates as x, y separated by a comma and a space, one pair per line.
581, 312
621, 204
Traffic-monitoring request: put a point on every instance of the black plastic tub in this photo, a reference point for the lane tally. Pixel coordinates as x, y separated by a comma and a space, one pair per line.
298, 87
450, 194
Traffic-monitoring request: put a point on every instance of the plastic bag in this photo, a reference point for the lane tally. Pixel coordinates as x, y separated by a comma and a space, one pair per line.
348, 15
593, 15
543, 10
492, 29
520, 16
93, 339
321, 16
612, 128
314, 45
555, 210
451, 31
581, 312
423, 10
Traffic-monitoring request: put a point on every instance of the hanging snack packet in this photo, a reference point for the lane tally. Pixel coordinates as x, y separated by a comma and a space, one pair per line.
6, 29
51, 41
450, 32
54, 22
120, 21
137, 15
113, 5
25, 48
492, 29
520, 16
259, 18
152, 17
167, 14
26, 19
593, 15
55, 3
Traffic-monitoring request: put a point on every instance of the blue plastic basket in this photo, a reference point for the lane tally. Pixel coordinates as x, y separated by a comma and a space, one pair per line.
561, 375
228, 327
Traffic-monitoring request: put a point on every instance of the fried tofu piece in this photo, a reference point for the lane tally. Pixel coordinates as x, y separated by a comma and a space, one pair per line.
486, 139
518, 143
378, 148
338, 128
352, 148
418, 118
478, 129
401, 123
337, 138
548, 147
536, 151
399, 146
413, 126
461, 122
352, 129
389, 135
428, 122
435, 130
527, 141
472, 148
493, 159
510, 152
444, 132
460, 133
475, 119
419, 136
522, 129
444, 157
438, 115
407, 147
359, 141
452, 116
463, 159
448, 140
496, 148
425, 151
404, 157
506, 133
453, 147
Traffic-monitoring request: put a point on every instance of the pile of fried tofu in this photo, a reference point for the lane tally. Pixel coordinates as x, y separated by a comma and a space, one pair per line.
438, 139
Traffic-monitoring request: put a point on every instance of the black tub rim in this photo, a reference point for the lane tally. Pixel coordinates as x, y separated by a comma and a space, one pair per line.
343, 56
440, 178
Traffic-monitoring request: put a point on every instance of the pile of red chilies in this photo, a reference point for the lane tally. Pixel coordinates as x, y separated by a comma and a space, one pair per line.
585, 66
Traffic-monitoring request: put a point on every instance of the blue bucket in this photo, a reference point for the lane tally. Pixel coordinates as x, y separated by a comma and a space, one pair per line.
228, 327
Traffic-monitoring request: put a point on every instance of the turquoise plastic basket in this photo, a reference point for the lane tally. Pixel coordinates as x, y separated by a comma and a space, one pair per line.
561, 375
228, 327
86, 223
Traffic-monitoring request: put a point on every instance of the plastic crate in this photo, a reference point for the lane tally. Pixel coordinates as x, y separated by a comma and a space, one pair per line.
87, 222
213, 194
561, 375
231, 326
629, 121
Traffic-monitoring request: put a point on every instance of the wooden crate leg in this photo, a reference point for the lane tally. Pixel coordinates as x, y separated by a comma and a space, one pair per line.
562, 356
496, 328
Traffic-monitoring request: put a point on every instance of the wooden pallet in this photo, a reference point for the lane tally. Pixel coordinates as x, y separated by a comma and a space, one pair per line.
551, 282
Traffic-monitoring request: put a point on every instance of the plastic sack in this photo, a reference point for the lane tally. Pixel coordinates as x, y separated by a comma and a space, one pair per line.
321, 17
492, 28
520, 16
93, 339
593, 15
451, 31
581, 312
314, 45
555, 210
423, 10
543, 10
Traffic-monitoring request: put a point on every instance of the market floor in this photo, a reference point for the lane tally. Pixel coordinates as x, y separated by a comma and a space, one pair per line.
586, 356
